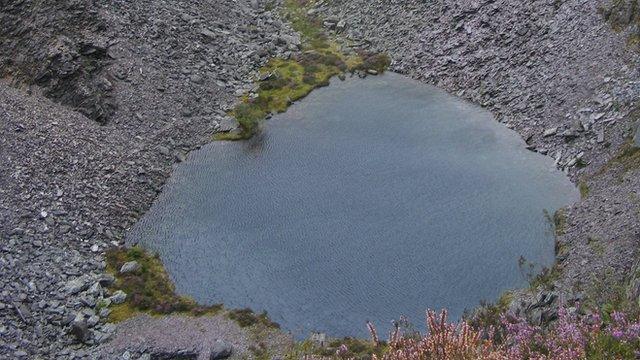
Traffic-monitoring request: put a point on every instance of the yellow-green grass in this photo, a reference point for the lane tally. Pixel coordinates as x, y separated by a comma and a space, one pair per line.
284, 81
149, 289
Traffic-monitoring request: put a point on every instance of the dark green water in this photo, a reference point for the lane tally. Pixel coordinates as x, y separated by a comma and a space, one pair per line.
368, 200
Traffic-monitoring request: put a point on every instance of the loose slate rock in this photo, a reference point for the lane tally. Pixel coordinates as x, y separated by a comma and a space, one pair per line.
130, 267
118, 297
220, 350
80, 330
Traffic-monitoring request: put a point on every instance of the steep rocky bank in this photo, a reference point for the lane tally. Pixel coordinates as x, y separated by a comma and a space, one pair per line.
564, 74
159, 77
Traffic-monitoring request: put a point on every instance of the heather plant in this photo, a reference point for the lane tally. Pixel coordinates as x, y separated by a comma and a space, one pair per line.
571, 337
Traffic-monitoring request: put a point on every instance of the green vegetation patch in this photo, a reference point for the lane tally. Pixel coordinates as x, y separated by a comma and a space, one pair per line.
488, 315
628, 157
560, 222
545, 278
584, 189
149, 289
353, 349
283, 81
246, 317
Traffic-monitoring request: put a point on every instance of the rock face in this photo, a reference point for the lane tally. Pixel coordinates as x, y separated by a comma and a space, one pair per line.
65, 61
553, 71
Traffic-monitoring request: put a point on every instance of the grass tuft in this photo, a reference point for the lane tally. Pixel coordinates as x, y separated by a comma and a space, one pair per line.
246, 317
149, 289
288, 80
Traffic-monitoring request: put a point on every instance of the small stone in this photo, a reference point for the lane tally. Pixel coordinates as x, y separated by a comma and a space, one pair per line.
75, 286
372, 72
118, 297
106, 279
196, 79
550, 132
220, 350
104, 312
95, 248
80, 330
569, 134
207, 34
130, 267
93, 321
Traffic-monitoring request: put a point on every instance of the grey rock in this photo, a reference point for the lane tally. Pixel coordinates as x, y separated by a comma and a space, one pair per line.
75, 286
569, 134
130, 267
80, 330
550, 132
220, 350
118, 297
106, 279
208, 35
636, 136
182, 354
228, 123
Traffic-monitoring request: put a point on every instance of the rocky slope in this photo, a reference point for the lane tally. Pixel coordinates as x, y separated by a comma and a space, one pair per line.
158, 76
556, 72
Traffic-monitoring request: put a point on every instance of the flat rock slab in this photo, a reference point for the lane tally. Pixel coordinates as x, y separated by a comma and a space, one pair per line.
179, 334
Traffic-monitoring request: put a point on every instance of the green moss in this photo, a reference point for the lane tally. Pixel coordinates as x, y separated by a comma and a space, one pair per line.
246, 317
584, 189
628, 157
606, 347
596, 245
487, 315
545, 278
559, 222
260, 352
288, 80
356, 348
374, 61
149, 289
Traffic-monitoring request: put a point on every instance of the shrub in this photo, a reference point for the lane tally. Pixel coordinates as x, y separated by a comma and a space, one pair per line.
571, 337
246, 317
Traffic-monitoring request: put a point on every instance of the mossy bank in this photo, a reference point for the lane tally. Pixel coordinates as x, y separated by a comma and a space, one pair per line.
319, 56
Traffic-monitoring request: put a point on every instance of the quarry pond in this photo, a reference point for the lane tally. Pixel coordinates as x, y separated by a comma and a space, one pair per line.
369, 199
